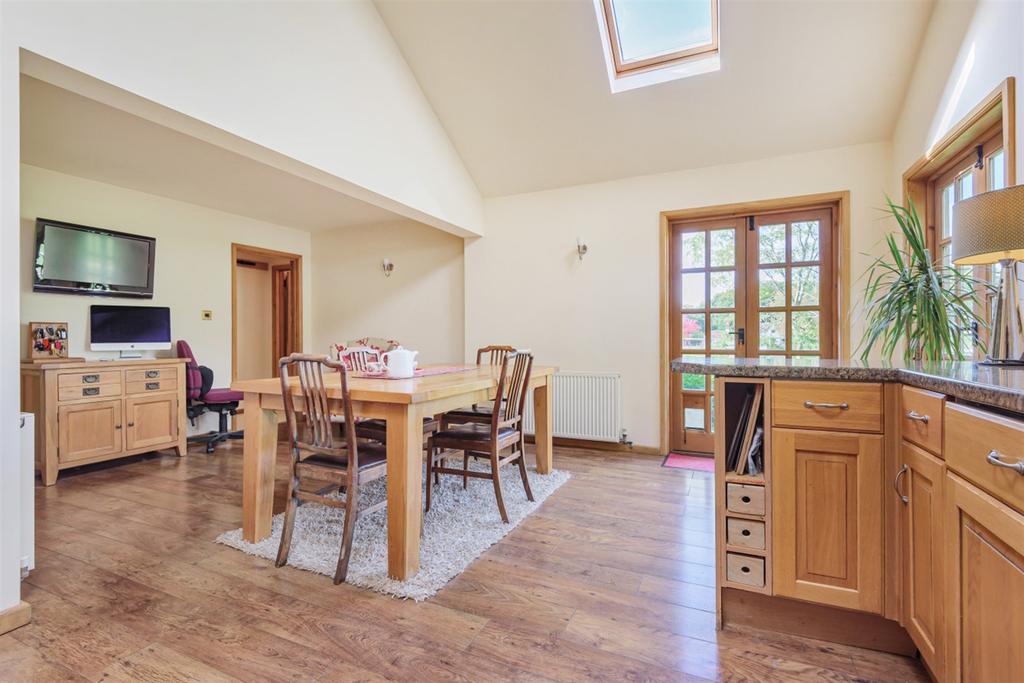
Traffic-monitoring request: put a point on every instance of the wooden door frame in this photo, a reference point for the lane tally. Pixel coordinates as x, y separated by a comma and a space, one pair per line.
295, 261
841, 254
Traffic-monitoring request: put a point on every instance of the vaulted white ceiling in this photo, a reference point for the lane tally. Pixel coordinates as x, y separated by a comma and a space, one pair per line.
522, 90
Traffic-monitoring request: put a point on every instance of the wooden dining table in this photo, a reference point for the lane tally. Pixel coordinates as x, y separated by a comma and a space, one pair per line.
403, 403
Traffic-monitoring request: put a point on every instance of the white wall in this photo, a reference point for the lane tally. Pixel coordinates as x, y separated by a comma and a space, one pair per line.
193, 260
420, 305
968, 50
603, 314
10, 255
254, 322
320, 82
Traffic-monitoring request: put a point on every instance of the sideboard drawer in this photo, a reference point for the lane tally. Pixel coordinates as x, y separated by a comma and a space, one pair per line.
988, 450
744, 498
744, 533
77, 393
85, 379
744, 569
150, 386
150, 374
842, 406
921, 418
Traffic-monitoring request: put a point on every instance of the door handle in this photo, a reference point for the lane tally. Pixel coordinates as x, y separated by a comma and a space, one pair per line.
896, 484
741, 335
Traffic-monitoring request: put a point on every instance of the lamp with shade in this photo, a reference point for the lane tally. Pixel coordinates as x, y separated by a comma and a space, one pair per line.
989, 228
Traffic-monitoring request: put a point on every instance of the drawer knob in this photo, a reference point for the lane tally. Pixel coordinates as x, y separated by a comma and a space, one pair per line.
745, 499
90, 379
996, 458
745, 532
152, 374
152, 386
90, 391
745, 569
911, 415
841, 406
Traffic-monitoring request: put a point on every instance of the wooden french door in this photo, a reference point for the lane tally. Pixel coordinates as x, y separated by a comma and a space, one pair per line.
747, 286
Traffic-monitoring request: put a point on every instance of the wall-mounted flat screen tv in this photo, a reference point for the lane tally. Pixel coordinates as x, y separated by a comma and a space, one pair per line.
77, 259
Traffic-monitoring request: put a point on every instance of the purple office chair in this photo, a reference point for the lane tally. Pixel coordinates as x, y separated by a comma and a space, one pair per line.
202, 398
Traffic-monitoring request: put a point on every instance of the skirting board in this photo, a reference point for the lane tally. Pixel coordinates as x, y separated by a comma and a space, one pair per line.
832, 624
15, 617
600, 446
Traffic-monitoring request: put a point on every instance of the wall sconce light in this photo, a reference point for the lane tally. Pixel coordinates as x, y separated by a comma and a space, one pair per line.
387, 266
581, 249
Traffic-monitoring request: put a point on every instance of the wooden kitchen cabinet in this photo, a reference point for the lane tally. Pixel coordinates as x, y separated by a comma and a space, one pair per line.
921, 484
985, 586
827, 517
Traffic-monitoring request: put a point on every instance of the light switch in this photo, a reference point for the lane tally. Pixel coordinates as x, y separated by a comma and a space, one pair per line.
207, 315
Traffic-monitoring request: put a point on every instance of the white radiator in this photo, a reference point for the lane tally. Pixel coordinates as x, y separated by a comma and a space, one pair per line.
586, 405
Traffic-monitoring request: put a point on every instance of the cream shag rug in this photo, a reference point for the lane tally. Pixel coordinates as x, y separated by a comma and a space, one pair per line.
460, 526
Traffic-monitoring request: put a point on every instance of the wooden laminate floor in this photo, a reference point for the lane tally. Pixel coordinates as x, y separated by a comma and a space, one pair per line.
611, 579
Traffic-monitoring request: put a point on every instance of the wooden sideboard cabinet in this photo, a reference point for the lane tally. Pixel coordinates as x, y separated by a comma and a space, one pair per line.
95, 411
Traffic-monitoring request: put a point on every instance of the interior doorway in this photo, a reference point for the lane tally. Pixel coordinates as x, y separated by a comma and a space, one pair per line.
266, 309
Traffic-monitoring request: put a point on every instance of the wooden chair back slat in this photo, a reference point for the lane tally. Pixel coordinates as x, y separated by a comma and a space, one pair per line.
512, 389
495, 354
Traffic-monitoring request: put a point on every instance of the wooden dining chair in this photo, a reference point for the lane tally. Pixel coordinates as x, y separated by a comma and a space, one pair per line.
505, 431
344, 465
480, 412
358, 358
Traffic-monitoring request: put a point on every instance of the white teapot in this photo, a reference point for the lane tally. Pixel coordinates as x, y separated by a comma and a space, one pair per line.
401, 363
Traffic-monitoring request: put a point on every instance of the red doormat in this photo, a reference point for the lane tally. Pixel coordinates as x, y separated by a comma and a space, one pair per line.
689, 462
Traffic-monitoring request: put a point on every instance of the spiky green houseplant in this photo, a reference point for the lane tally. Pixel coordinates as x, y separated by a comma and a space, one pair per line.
912, 299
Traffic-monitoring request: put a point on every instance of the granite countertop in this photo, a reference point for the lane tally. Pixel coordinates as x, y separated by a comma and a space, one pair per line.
999, 387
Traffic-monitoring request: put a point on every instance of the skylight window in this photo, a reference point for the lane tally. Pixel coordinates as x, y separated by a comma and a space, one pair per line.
646, 35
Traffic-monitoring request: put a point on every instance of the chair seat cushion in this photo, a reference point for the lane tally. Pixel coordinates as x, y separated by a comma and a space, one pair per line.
370, 455
482, 410
223, 395
473, 432
430, 425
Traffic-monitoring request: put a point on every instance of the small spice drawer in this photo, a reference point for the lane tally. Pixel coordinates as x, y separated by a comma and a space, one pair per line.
744, 533
921, 419
150, 386
150, 374
744, 498
744, 569
77, 393
85, 379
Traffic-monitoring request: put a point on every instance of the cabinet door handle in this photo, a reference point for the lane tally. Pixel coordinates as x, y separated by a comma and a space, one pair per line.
996, 458
131, 424
91, 391
896, 484
152, 374
90, 379
841, 406
152, 386
117, 426
912, 415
